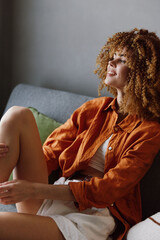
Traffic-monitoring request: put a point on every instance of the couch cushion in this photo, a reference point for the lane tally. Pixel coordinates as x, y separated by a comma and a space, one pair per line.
45, 124
146, 230
56, 104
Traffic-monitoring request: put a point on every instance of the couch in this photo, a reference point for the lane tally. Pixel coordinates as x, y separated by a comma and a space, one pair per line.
59, 105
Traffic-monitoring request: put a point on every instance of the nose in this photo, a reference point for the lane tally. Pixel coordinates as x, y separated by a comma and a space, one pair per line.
112, 63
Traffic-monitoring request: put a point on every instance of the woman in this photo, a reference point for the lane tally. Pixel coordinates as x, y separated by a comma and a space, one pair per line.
101, 153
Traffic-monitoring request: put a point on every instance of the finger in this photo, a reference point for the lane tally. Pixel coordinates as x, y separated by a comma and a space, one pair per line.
3, 150
5, 187
2, 155
3, 144
8, 183
7, 200
5, 194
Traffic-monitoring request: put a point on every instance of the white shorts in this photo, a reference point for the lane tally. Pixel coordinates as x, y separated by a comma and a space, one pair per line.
90, 224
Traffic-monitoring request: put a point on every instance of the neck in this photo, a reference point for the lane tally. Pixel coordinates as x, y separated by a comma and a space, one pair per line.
119, 97
121, 116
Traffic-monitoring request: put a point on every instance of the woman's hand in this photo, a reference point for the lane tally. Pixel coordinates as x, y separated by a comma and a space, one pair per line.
3, 150
15, 191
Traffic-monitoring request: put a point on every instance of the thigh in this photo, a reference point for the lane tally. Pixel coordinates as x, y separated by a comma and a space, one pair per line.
20, 226
19, 131
31, 164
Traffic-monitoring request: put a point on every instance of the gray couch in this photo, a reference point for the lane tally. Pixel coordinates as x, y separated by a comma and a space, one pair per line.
53, 103
59, 105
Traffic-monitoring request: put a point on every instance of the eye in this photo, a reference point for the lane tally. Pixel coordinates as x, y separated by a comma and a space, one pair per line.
122, 61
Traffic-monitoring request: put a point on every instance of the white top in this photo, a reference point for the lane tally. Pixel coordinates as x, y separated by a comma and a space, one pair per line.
98, 160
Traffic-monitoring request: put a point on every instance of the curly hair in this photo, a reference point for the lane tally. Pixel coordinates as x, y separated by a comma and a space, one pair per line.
142, 92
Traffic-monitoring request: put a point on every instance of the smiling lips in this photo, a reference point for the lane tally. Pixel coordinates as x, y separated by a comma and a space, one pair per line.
111, 73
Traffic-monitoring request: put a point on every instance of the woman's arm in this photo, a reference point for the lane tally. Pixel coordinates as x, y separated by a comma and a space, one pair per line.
15, 191
56, 192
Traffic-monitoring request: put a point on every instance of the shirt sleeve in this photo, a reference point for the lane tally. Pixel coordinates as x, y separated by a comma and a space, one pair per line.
60, 139
120, 180
63, 137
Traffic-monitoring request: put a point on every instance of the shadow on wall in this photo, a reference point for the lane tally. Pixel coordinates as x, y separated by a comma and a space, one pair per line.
5, 52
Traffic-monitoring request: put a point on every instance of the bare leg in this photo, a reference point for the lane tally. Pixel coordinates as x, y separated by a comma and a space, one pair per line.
18, 226
19, 131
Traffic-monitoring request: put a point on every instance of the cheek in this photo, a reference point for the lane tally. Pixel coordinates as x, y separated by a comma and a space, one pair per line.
124, 72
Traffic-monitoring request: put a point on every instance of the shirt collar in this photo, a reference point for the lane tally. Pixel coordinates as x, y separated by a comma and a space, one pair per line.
128, 123
112, 105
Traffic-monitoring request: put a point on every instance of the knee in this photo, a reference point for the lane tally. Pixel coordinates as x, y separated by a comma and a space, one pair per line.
17, 115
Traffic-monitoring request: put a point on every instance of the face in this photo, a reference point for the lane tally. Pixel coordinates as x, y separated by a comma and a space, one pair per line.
117, 71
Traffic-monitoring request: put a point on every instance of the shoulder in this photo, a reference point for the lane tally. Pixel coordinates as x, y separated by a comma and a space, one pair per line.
150, 126
89, 109
147, 131
97, 103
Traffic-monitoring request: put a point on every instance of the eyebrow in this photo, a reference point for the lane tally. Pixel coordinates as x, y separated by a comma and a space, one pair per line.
121, 55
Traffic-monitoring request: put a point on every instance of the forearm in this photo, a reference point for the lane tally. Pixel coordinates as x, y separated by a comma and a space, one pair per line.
55, 192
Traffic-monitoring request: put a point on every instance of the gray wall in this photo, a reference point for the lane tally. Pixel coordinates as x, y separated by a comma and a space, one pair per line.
55, 42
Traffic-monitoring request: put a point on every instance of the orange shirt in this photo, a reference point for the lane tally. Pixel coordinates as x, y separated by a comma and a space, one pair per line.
131, 151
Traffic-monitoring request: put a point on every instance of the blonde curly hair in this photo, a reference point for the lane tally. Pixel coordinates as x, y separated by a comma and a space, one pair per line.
142, 93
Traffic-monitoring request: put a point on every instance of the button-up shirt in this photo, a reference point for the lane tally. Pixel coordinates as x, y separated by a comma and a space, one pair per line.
131, 151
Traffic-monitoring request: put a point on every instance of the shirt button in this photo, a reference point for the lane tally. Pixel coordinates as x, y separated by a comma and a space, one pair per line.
116, 129
112, 204
110, 148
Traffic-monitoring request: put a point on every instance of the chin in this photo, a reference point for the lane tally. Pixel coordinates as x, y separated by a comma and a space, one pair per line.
108, 83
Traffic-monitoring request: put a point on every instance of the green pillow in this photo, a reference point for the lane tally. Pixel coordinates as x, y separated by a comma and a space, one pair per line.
45, 125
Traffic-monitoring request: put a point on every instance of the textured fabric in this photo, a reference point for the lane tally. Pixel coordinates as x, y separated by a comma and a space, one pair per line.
8, 208
131, 151
56, 104
90, 224
45, 124
146, 230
